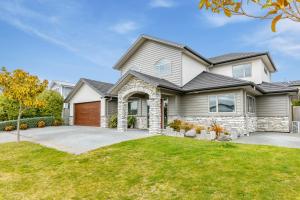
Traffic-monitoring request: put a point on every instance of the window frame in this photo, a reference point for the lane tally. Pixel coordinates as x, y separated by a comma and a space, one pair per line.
159, 71
244, 71
137, 107
217, 103
247, 104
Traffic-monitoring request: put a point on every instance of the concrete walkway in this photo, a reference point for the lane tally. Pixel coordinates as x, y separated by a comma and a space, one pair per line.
74, 139
291, 140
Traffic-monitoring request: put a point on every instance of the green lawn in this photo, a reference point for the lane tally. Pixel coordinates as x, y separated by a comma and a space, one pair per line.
152, 168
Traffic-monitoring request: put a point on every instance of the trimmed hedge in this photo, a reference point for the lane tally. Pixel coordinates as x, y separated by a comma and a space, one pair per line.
31, 122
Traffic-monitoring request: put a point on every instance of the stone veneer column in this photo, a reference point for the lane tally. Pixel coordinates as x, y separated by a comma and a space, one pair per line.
155, 115
122, 114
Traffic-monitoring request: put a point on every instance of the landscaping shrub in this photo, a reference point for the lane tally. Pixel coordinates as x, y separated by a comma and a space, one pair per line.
296, 103
186, 126
31, 122
131, 120
23, 126
198, 129
217, 128
9, 128
57, 122
175, 125
113, 121
53, 104
41, 124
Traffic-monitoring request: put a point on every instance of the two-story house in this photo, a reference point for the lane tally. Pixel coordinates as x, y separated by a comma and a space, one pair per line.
162, 80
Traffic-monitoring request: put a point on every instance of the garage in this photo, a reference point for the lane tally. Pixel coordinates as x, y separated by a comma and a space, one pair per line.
87, 114
89, 104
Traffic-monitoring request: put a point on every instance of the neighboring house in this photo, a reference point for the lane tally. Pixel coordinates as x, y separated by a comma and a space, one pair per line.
63, 88
162, 80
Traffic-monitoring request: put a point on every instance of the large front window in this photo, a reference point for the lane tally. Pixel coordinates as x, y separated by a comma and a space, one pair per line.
242, 71
132, 108
222, 103
163, 67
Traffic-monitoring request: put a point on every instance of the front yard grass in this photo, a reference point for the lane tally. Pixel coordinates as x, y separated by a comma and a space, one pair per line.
152, 168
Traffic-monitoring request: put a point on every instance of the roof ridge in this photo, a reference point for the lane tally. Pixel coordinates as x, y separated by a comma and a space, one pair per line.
96, 81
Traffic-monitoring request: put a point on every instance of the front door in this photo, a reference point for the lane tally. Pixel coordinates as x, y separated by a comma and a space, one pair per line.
164, 113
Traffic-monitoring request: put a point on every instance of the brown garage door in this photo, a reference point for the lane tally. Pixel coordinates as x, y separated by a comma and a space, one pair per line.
87, 114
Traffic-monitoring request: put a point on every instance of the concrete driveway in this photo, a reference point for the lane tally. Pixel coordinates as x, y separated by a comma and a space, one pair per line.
74, 139
291, 140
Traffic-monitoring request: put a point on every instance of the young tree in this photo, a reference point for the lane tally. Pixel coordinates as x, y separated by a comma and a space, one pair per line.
23, 88
270, 9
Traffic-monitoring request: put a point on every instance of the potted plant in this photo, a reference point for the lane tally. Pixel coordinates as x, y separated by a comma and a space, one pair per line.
131, 120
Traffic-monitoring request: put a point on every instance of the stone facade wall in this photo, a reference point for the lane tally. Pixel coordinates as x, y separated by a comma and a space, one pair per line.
104, 121
134, 86
273, 124
141, 122
251, 123
235, 124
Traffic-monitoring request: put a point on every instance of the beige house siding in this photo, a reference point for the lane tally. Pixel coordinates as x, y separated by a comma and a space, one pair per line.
112, 107
197, 104
272, 106
148, 54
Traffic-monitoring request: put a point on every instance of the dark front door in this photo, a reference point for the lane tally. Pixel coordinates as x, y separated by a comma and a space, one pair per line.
164, 113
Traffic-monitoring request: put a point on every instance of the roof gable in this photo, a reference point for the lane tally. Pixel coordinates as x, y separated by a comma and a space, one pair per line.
135, 46
101, 88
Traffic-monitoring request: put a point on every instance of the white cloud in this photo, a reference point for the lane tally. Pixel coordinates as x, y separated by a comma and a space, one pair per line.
162, 3
124, 27
218, 20
285, 41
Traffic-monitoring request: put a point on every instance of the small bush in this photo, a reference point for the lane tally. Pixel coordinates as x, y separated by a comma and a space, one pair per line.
198, 129
41, 124
217, 128
296, 102
9, 128
186, 126
23, 126
31, 122
175, 125
57, 122
131, 120
113, 121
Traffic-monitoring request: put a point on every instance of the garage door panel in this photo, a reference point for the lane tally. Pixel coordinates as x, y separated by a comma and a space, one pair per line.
87, 114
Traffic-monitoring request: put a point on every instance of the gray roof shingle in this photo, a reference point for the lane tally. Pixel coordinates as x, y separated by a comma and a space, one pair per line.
100, 87
208, 80
275, 88
234, 56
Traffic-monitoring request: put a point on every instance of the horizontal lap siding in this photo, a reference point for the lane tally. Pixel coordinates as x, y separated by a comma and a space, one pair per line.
197, 104
112, 107
272, 106
149, 53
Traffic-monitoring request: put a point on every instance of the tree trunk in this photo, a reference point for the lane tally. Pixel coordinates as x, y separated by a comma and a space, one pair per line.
18, 126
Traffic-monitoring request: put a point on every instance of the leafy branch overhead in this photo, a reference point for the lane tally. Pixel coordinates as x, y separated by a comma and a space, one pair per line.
275, 10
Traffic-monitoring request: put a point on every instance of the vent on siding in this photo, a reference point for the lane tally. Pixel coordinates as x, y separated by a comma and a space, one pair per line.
296, 127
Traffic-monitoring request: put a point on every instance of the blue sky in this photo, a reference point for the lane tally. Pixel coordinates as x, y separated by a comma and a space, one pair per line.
68, 39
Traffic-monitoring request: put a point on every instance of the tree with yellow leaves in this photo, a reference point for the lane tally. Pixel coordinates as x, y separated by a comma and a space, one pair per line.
23, 88
275, 10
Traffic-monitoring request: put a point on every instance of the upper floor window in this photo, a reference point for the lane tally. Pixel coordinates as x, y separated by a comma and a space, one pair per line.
242, 71
163, 67
222, 103
132, 107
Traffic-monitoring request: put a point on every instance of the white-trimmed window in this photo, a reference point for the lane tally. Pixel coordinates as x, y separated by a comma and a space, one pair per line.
250, 104
133, 107
163, 67
222, 103
242, 71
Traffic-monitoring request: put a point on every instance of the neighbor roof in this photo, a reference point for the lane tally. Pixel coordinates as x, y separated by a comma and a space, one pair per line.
63, 83
290, 83
101, 88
